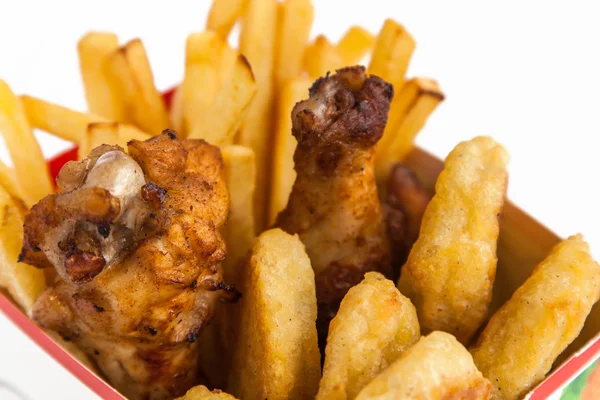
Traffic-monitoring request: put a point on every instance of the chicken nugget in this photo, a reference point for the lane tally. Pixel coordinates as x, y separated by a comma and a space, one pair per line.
451, 268
437, 367
523, 338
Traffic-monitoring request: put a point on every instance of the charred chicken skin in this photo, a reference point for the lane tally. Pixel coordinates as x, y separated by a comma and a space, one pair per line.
334, 205
135, 241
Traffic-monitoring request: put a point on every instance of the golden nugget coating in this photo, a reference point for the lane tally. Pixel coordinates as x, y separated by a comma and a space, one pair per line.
437, 367
451, 268
202, 393
372, 328
523, 338
334, 205
276, 355
138, 259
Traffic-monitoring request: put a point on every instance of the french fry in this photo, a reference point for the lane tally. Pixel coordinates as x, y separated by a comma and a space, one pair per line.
30, 167
130, 68
202, 393
276, 355
355, 44
257, 43
223, 14
99, 133
201, 83
437, 367
232, 100
321, 57
23, 282
451, 268
372, 328
521, 341
176, 111
393, 49
409, 111
284, 175
101, 92
294, 20
8, 181
70, 124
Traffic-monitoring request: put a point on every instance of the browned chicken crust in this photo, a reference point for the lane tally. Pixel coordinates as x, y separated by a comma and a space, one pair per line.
138, 259
334, 205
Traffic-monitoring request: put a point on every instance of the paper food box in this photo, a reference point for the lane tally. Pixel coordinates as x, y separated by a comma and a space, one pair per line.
522, 244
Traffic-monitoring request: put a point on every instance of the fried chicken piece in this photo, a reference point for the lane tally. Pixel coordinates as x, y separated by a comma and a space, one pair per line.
136, 244
403, 207
334, 205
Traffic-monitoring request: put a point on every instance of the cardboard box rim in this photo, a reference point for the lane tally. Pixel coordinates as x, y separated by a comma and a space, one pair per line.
522, 244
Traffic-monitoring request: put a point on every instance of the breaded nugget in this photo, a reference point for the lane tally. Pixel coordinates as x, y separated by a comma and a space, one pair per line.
437, 367
451, 268
373, 326
524, 337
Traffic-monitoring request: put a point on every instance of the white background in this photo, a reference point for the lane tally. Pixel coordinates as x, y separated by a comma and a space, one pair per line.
526, 73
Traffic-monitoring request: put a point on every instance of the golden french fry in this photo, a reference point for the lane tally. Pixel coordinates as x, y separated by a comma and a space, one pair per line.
257, 43
101, 92
437, 367
223, 14
355, 44
409, 111
176, 111
372, 328
8, 181
451, 268
232, 100
283, 173
277, 356
524, 337
100, 133
70, 124
130, 68
23, 282
393, 49
201, 83
30, 167
321, 57
202, 393
294, 20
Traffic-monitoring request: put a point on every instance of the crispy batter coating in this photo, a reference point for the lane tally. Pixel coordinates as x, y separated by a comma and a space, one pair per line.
451, 268
523, 338
404, 207
334, 205
373, 326
135, 239
438, 367
202, 393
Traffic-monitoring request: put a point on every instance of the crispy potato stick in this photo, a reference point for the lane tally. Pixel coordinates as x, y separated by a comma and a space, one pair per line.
30, 167
294, 20
70, 124
200, 84
257, 43
437, 367
355, 44
176, 111
321, 57
277, 356
523, 338
225, 113
451, 268
372, 328
101, 91
99, 133
202, 393
409, 111
9, 182
223, 14
284, 174
23, 282
393, 49
130, 67
240, 172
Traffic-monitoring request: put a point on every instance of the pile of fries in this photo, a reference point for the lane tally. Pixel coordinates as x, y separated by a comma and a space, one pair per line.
266, 345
